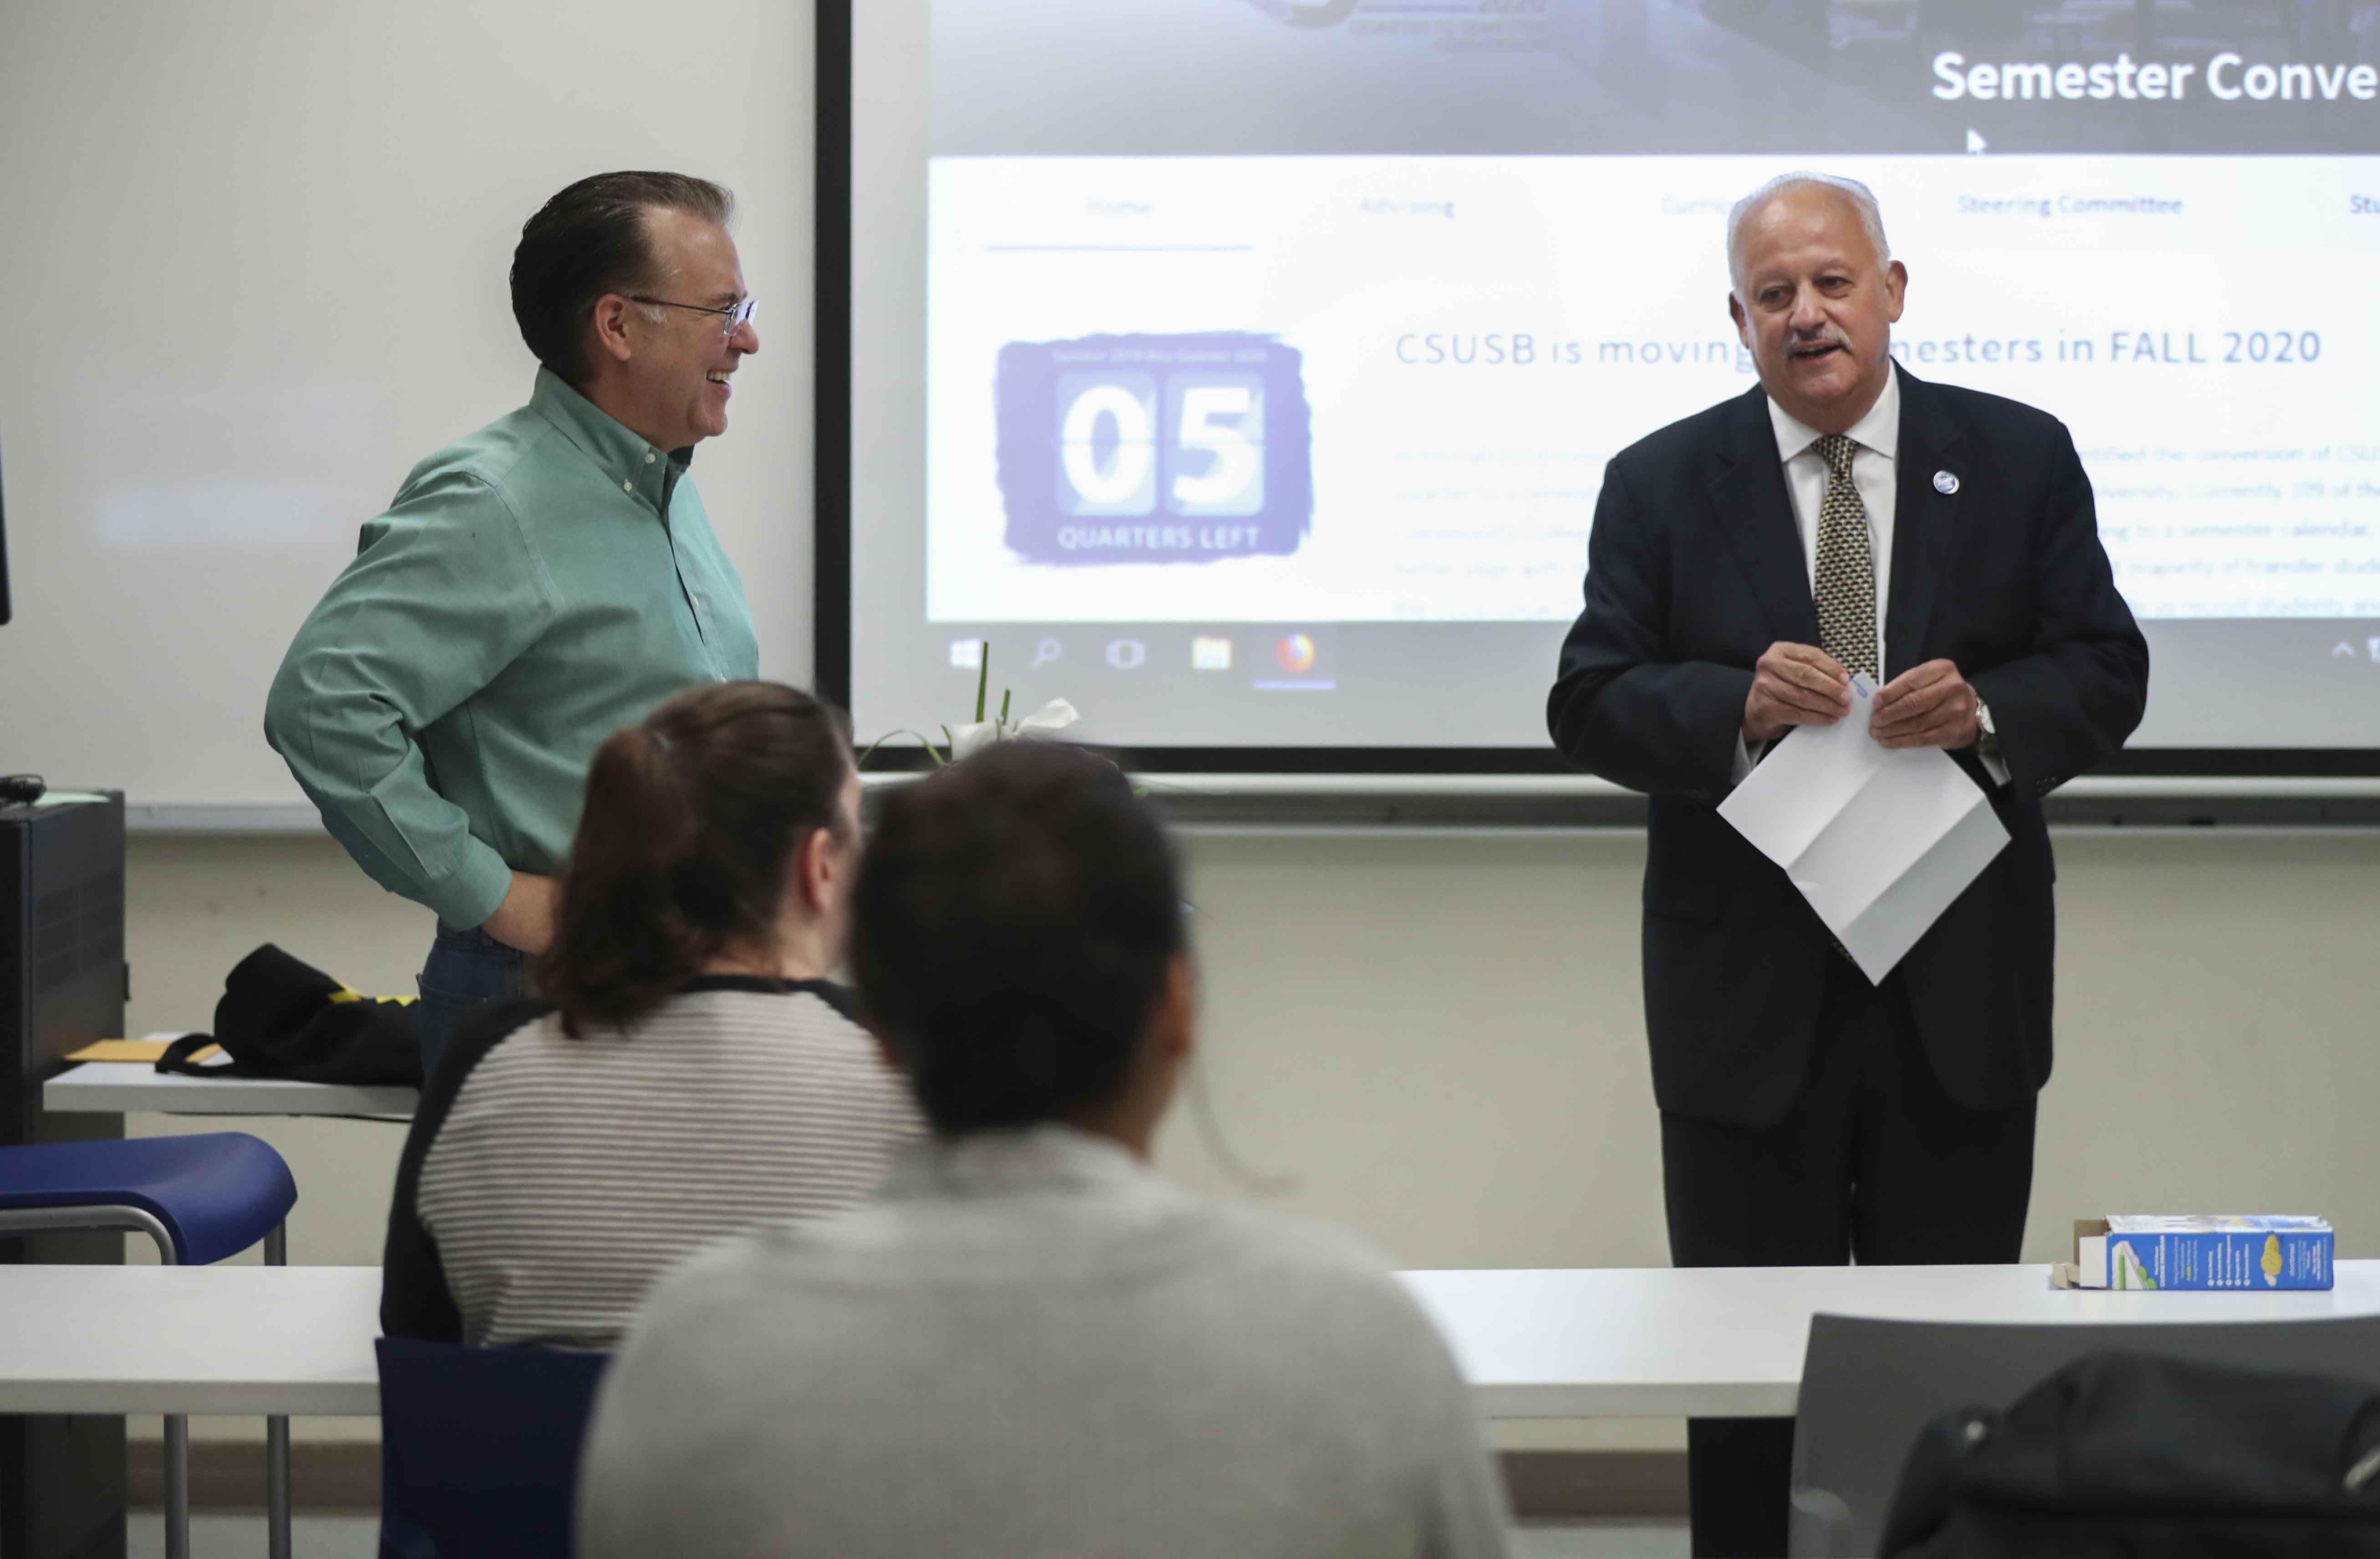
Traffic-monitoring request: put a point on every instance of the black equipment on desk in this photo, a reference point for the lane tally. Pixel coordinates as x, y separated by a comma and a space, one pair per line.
63, 978
63, 983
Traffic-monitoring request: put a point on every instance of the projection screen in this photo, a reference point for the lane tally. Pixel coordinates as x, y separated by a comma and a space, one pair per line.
1243, 371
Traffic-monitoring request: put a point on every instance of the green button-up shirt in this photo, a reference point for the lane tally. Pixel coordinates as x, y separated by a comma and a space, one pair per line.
534, 588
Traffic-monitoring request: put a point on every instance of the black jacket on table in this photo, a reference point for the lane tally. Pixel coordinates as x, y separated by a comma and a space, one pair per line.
1695, 568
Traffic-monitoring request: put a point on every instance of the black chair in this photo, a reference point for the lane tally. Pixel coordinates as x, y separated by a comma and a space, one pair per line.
1868, 1386
479, 1448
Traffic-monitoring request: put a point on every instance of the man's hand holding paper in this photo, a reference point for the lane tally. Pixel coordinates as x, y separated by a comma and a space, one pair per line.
1878, 838
1929, 705
1793, 684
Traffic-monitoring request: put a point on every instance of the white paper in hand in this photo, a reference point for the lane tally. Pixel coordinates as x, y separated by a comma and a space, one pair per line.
1878, 840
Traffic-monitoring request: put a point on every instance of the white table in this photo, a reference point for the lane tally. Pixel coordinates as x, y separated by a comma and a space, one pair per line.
118, 1088
255, 1341
1613, 1343
1727, 1342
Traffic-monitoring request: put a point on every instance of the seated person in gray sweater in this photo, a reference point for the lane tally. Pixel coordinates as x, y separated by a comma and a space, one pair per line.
690, 1073
1028, 1344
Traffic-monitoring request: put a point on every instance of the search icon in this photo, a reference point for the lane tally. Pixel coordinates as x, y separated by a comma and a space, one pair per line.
1043, 654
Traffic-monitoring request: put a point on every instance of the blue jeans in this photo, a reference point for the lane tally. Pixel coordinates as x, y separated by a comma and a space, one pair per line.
465, 971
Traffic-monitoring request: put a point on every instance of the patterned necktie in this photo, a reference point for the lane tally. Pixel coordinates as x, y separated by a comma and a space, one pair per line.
1845, 589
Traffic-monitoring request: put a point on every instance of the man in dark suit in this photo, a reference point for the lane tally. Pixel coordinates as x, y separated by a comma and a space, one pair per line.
1845, 516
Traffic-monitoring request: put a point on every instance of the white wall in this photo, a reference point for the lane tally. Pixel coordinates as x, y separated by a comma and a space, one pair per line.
1440, 1042
254, 254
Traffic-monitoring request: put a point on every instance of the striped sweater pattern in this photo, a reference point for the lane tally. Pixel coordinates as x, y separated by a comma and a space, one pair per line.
568, 1176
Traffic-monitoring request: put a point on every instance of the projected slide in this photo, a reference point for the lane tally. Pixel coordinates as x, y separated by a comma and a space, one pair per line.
1429, 360
1257, 323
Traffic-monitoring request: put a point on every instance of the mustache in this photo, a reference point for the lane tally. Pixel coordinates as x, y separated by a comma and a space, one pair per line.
1832, 336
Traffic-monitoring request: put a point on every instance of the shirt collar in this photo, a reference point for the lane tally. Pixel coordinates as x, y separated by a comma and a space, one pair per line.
1018, 1162
1878, 431
623, 456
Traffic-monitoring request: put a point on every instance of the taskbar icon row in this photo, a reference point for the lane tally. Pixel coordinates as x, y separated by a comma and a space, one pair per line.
1291, 658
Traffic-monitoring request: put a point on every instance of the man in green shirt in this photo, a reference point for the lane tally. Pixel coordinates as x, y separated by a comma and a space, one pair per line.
535, 586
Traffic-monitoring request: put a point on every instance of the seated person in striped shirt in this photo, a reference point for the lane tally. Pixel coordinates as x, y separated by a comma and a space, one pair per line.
690, 1073
1028, 1343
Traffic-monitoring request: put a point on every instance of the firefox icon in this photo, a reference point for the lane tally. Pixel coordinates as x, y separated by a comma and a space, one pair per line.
1295, 652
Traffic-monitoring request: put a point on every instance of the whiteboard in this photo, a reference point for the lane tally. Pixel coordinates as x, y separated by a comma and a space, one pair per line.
253, 260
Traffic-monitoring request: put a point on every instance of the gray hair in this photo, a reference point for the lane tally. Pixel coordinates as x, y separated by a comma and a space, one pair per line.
1862, 198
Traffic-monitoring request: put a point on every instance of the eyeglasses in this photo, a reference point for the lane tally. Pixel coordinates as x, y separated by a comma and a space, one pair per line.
735, 317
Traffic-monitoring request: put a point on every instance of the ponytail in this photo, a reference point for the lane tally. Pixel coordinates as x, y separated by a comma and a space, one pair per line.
687, 829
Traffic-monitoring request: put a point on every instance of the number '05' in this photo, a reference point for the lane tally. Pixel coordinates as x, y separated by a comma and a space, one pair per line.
1213, 421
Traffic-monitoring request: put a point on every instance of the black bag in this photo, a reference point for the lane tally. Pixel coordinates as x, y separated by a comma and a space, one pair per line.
2129, 1454
283, 1018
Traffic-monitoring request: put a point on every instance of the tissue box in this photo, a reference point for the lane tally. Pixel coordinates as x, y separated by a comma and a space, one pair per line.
2144, 1250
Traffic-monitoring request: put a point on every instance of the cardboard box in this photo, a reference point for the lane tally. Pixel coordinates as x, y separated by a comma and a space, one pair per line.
2222, 1250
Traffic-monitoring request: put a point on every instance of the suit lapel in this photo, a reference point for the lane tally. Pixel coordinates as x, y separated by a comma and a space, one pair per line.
1755, 516
1922, 518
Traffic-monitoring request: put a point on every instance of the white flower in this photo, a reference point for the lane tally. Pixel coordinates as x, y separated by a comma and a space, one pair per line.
1050, 719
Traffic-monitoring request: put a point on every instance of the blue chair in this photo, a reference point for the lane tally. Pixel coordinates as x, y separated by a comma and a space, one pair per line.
479, 1448
201, 1198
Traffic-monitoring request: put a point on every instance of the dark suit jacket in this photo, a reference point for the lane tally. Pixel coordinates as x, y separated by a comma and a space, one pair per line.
1695, 568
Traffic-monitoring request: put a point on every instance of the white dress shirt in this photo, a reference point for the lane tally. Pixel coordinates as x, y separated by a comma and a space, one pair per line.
1875, 472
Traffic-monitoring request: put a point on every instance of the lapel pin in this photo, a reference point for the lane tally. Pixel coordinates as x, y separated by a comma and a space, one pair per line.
1945, 484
